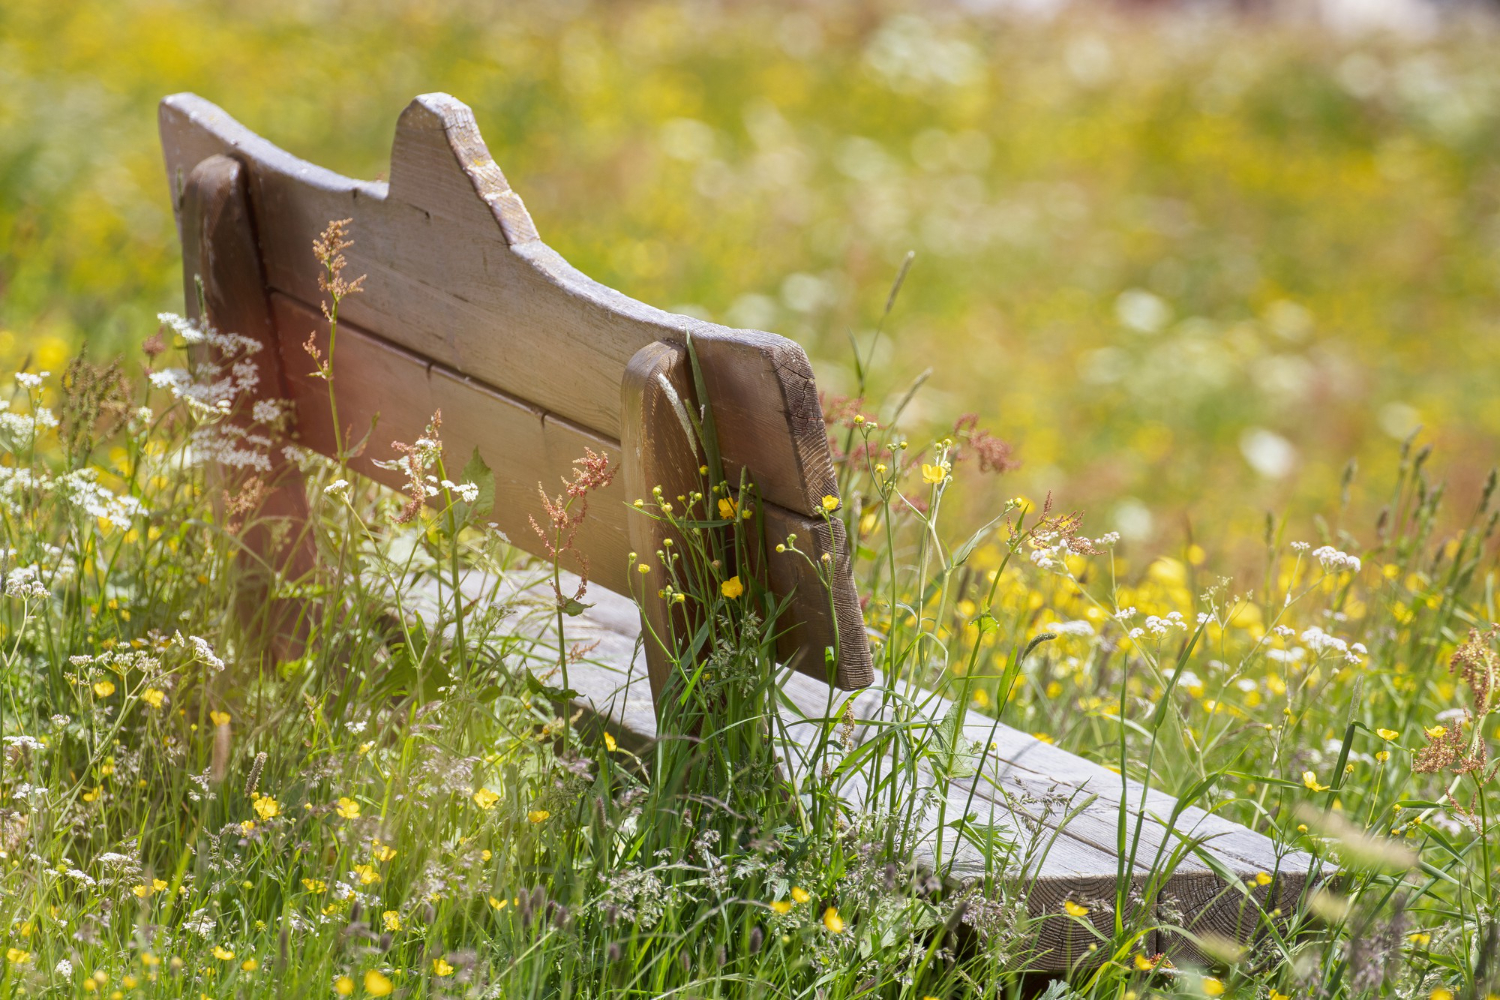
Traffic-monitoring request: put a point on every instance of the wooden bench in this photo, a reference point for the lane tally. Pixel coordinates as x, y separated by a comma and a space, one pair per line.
467, 311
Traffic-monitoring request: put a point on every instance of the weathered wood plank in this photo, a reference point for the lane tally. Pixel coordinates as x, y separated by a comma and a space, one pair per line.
527, 448
218, 250
456, 274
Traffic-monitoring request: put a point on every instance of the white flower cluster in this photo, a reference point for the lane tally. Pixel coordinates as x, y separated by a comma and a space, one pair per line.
232, 446
22, 584
338, 488
31, 380
20, 428
82, 489
1077, 627
1321, 642
201, 650
467, 492
1335, 561
194, 332
1159, 627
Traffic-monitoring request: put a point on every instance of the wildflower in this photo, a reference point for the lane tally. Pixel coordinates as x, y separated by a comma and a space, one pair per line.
1213, 987
1435, 732
732, 587
219, 718
267, 807
727, 507
16, 956
1311, 781
1263, 878
1279, 996
1073, 909
934, 475
800, 894
377, 984
1389, 735
249, 965
222, 953
382, 852
367, 874
153, 697
831, 502
338, 488
440, 967
538, 815
610, 744
392, 920
347, 808
1441, 993
833, 921
343, 986
781, 906
1383, 756
315, 885
1143, 963
485, 799
104, 688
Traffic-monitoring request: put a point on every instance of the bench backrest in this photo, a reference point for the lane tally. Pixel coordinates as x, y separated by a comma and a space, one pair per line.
466, 310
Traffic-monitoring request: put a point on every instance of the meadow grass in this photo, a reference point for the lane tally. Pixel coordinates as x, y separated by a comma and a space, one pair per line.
387, 798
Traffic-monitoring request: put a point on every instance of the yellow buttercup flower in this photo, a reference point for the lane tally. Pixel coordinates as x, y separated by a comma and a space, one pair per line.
1213, 987
830, 503
1279, 996
315, 885
732, 587
781, 906
485, 799
382, 852
1263, 878
1143, 963
440, 967
267, 807
347, 808
343, 986
933, 475
833, 921
104, 688
392, 920
1311, 781
610, 744
1441, 993
153, 697
727, 507
249, 965
800, 894
377, 984
1073, 909
1387, 734
538, 815
16, 956
367, 874
219, 718
1435, 732
222, 953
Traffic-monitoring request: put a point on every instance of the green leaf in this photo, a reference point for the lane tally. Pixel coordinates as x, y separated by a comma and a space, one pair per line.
479, 474
575, 607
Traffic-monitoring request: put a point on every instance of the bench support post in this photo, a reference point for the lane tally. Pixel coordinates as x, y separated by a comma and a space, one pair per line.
219, 249
657, 449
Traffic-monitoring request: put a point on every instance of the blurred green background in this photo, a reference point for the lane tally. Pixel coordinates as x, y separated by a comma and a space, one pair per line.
1189, 263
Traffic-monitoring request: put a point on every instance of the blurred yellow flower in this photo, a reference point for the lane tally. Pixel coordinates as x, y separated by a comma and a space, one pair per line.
538, 815
1435, 732
367, 874
1311, 781
249, 965
267, 807
315, 885
382, 852
1263, 878
440, 967
222, 953
347, 808
485, 799
800, 894
377, 985
104, 688
781, 906
153, 697
727, 507
219, 718
1073, 909
392, 920
1213, 987
343, 986
732, 587
16, 956
609, 743
833, 921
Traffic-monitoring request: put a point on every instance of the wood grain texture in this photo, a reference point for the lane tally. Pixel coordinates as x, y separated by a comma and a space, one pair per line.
219, 250
658, 453
527, 449
456, 274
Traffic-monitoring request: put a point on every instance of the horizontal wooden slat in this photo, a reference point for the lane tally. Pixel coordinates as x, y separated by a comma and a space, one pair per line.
456, 274
526, 449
